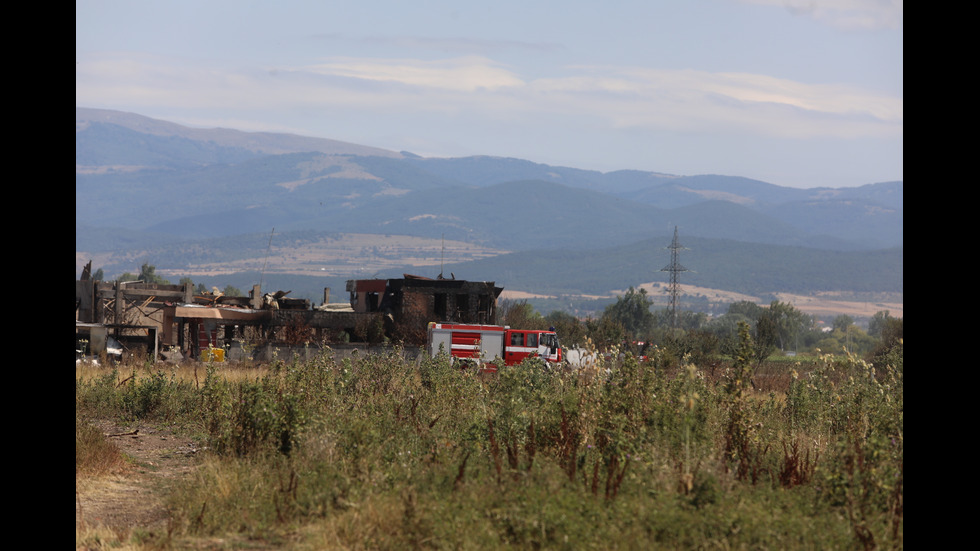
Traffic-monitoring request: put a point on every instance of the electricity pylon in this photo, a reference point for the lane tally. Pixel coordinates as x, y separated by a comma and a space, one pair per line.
674, 268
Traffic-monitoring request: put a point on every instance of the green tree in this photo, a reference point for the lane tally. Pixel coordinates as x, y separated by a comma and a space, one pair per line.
632, 312
518, 314
697, 346
878, 322
570, 330
782, 325
726, 326
148, 275
890, 347
893, 331
789, 323
842, 322
605, 332
766, 336
750, 310
851, 339
230, 291
686, 320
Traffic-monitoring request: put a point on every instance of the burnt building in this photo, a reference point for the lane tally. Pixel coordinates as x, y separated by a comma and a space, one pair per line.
161, 318
430, 299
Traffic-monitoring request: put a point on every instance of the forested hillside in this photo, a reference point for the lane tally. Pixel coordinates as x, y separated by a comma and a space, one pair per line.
179, 198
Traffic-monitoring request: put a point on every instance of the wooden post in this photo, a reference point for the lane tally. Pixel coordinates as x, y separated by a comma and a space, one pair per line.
256, 297
119, 305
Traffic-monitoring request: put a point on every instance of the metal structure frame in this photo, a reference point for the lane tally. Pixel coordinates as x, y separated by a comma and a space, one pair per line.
674, 268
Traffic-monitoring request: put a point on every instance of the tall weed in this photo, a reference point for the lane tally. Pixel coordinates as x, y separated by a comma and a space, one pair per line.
373, 451
142, 395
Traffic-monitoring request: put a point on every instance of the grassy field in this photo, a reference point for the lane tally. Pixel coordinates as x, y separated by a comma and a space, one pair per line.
376, 452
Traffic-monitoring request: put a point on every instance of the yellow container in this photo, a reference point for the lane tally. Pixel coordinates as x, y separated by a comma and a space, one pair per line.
213, 355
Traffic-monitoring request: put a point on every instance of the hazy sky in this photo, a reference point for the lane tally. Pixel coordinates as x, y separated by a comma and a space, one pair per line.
800, 93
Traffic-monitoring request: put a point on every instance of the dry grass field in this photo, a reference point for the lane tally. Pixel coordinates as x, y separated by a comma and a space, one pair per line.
349, 253
822, 305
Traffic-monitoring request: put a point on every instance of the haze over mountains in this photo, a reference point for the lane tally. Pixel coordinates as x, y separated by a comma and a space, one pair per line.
142, 184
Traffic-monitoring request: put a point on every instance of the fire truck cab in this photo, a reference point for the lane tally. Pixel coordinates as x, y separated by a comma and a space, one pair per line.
482, 344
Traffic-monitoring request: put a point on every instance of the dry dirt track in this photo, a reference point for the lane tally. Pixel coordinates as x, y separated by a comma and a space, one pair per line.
134, 498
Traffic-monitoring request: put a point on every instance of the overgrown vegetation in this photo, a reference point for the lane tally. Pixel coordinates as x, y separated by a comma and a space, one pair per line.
382, 452
632, 324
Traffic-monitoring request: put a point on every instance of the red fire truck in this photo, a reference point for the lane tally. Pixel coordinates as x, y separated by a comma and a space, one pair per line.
481, 344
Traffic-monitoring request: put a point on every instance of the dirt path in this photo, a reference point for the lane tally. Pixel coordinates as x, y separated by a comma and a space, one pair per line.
135, 498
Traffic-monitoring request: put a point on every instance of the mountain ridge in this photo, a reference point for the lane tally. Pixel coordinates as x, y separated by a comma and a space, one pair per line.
141, 182
271, 143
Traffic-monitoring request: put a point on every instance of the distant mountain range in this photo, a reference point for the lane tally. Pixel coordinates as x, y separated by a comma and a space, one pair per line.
141, 183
